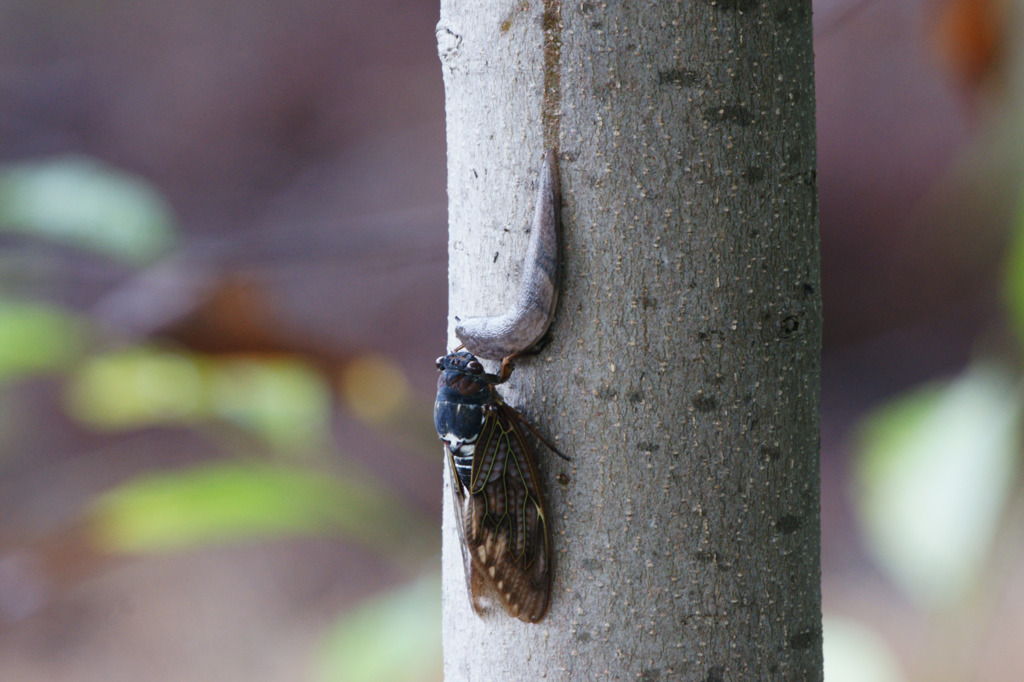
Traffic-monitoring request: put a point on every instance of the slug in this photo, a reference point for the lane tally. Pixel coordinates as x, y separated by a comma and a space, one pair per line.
518, 329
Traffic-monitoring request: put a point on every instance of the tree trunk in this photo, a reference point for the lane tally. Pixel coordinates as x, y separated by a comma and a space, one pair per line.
683, 367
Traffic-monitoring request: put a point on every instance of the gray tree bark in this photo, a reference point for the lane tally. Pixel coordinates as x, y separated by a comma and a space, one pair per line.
683, 368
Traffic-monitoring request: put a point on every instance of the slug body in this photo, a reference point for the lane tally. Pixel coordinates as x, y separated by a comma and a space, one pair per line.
518, 329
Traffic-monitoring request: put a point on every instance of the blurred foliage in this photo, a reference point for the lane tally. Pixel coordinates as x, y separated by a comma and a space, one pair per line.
936, 470
230, 502
1013, 279
937, 480
394, 637
82, 202
855, 653
282, 402
35, 338
375, 389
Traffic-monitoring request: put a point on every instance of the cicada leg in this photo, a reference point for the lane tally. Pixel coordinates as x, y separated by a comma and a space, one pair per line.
522, 420
507, 366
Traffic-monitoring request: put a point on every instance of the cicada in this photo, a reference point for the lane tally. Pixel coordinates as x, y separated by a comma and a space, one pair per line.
499, 506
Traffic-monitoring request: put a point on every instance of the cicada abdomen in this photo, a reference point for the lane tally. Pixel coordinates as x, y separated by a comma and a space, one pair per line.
506, 545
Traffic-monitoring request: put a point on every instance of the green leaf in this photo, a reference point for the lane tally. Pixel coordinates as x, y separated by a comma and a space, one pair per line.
37, 338
284, 402
1013, 278
233, 502
137, 387
394, 637
855, 653
85, 203
934, 473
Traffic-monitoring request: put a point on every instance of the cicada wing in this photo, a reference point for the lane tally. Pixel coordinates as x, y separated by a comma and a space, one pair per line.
462, 504
506, 530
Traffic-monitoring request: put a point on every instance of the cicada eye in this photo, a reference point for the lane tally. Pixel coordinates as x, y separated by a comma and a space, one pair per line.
439, 361
475, 367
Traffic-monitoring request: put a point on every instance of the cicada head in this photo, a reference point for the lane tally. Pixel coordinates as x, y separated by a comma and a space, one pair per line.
461, 361
462, 374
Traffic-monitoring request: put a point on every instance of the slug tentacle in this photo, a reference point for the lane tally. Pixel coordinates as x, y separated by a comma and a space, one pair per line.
518, 329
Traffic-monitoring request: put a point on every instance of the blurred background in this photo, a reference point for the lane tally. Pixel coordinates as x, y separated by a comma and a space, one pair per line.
222, 288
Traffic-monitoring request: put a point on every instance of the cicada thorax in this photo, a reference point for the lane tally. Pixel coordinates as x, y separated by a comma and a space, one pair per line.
499, 504
460, 410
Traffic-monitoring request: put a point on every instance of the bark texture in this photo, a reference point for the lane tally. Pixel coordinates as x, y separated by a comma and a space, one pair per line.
683, 368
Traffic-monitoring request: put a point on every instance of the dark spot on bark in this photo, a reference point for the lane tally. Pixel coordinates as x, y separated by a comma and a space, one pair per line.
549, 20
790, 323
681, 78
771, 452
495, 259
704, 403
753, 174
563, 479
729, 113
635, 397
788, 14
808, 288
789, 523
713, 557
702, 336
715, 674
650, 674
582, 636
606, 393
507, 22
734, 5
805, 639
644, 446
649, 302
